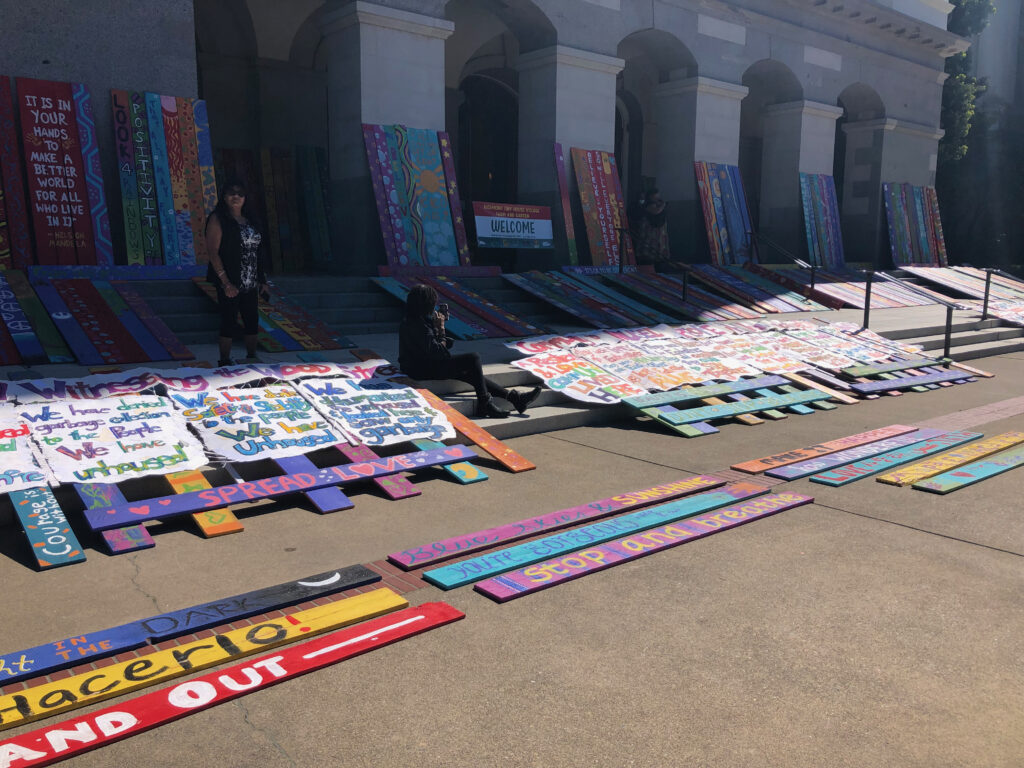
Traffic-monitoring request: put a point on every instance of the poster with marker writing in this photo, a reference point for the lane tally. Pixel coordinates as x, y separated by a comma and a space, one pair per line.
20, 465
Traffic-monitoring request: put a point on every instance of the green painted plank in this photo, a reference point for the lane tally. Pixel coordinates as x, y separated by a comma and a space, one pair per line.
699, 393
858, 470
898, 365
973, 473
462, 471
753, 405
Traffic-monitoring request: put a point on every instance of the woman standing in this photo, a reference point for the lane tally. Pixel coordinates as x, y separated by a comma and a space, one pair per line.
237, 268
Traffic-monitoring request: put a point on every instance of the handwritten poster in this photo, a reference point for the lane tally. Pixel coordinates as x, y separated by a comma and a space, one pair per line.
578, 378
20, 468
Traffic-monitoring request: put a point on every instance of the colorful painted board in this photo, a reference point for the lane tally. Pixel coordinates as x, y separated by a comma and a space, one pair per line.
726, 218
118, 540
838, 459
528, 283
77, 341
831, 446
870, 387
205, 153
821, 220
104, 249
179, 184
970, 474
600, 237
596, 558
872, 466
211, 522
15, 206
295, 320
448, 163
687, 394
458, 546
463, 471
150, 345
49, 534
952, 460
120, 103
164, 189
377, 161
753, 405
396, 486
30, 349
157, 327
484, 566
145, 181
271, 487
424, 174
324, 500
478, 305
98, 321
152, 710
193, 182
405, 188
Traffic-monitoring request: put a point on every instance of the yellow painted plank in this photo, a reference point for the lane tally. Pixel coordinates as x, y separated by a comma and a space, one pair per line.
116, 679
211, 522
952, 459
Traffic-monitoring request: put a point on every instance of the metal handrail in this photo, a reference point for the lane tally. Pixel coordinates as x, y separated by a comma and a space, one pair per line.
784, 252
913, 289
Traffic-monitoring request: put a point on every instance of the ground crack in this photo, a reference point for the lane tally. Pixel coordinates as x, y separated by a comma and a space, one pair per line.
264, 733
134, 578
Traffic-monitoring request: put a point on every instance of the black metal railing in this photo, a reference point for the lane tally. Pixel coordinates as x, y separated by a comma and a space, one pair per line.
911, 288
989, 271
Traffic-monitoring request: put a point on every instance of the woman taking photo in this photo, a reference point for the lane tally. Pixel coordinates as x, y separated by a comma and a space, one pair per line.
237, 268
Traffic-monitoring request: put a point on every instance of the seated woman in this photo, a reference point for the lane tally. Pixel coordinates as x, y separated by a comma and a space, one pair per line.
423, 353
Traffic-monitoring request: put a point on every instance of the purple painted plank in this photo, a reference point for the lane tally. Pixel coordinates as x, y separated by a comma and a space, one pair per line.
93, 174
872, 466
471, 542
158, 508
380, 194
824, 463
118, 540
395, 486
324, 500
597, 558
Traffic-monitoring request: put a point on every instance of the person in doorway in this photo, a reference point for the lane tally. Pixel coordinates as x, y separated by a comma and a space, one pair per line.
237, 268
424, 353
650, 229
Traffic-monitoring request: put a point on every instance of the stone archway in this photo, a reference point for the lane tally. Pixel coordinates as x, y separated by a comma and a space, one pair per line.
859, 145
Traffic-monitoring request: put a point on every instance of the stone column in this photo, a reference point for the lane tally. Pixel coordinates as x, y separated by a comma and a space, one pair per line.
567, 96
384, 66
799, 136
879, 151
695, 119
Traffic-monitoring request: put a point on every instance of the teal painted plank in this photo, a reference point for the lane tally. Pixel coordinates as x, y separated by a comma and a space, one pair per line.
868, 467
753, 405
870, 387
897, 365
686, 430
477, 568
49, 533
462, 471
803, 410
699, 393
969, 474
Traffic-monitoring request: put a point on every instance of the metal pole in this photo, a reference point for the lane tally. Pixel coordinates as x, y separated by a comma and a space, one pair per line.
867, 297
686, 283
813, 269
988, 286
949, 331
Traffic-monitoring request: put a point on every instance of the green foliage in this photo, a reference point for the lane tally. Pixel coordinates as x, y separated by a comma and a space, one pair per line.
969, 17
958, 98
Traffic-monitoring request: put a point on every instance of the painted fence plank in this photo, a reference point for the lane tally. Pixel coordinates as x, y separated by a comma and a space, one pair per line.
753, 405
131, 214
15, 204
708, 390
953, 459
445, 549
484, 566
596, 558
99, 322
164, 706
820, 449
954, 480
211, 522
832, 460
563, 193
103, 248
179, 185
17, 324
49, 534
193, 182
896, 365
380, 195
204, 149
146, 181
116, 679
132, 323
454, 200
83, 349
496, 315
396, 486
867, 467
163, 190
462, 471
118, 540
271, 487
913, 381
324, 500
156, 326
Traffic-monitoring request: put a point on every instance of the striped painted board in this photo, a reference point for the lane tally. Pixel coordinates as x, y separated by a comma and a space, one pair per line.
163, 186
111, 339
454, 200
77, 340
484, 566
396, 486
647, 315
5, 238
708, 390
204, 149
179, 185
132, 323
867, 467
463, 471
582, 292
458, 324
30, 349
324, 500
869, 387
657, 298
211, 522
152, 322
618, 201
131, 214
728, 284
15, 205
50, 537
753, 405
543, 293
193, 182
146, 181
102, 246
952, 459
459, 313
291, 316
496, 315
563, 193
969, 474
446, 549
897, 365
785, 458
118, 540
376, 158
598, 557
848, 455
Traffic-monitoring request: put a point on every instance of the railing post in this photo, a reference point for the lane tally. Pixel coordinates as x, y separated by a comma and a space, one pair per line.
867, 297
949, 331
813, 269
686, 283
988, 287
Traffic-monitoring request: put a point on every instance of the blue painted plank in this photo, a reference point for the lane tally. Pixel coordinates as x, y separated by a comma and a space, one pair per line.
49, 534
119, 540
830, 461
858, 470
462, 471
324, 500
973, 473
69, 328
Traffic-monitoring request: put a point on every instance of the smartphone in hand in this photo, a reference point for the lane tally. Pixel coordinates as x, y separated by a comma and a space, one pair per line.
443, 309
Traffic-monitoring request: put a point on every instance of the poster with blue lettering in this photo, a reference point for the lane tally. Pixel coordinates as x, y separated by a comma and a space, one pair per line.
111, 439
375, 411
20, 466
268, 422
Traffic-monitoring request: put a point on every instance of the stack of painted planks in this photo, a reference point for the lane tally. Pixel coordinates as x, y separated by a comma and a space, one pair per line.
742, 285
915, 227
462, 323
762, 279
821, 220
604, 209
662, 292
726, 216
969, 281
56, 159
843, 288
412, 171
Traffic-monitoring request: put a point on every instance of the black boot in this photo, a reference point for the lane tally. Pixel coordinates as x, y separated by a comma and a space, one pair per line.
522, 400
489, 409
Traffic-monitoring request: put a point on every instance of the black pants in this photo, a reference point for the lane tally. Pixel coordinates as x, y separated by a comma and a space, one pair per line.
246, 304
465, 368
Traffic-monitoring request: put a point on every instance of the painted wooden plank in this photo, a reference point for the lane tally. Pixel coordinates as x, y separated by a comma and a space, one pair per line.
581, 293
99, 322
914, 381
145, 180
821, 449
324, 500
396, 486
131, 214
553, 572
15, 204
80, 345
821, 405
484, 566
291, 316
847, 455
743, 418
271, 487
952, 459
162, 185
119, 540
808, 384
50, 537
119, 678
698, 429
483, 439
954, 480
541, 292
563, 193
375, 157
647, 314
179, 185
211, 522
708, 390
459, 325
463, 471
867, 467
17, 324
157, 327
454, 200
891, 367
513, 325
708, 412
193, 181
204, 150
5, 239
446, 549
151, 710
150, 345
103, 248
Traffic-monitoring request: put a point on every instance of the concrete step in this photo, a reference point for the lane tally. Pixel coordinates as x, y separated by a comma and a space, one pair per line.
196, 303
987, 349
345, 316
550, 418
958, 326
966, 338
321, 283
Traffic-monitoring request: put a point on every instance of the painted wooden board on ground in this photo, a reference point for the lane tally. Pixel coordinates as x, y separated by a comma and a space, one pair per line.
42, 323
973, 473
832, 460
156, 326
462, 471
102, 727
867, 467
395, 486
596, 558
709, 390
49, 534
118, 540
132, 323
30, 348
833, 394
953, 459
897, 365
103, 248
324, 500
211, 522
753, 405
98, 322
458, 546
271, 487
910, 381
158, 667
483, 566
15, 206
831, 446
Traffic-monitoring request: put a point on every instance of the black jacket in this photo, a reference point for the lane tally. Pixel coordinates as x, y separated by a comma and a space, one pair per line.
230, 251
421, 345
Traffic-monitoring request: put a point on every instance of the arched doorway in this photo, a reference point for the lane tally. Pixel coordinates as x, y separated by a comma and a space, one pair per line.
857, 168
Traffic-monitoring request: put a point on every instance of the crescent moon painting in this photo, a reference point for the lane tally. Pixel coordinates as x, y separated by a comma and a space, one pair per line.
324, 583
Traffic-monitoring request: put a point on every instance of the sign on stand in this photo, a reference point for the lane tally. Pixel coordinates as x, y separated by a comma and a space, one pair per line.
504, 225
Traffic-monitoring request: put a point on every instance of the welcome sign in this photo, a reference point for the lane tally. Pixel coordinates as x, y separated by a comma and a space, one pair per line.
503, 225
